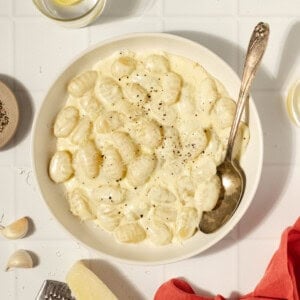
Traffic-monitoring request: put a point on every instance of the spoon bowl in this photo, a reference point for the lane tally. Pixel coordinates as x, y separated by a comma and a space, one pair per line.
233, 182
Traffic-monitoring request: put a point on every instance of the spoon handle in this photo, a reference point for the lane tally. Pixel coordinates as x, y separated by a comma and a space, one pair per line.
256, 49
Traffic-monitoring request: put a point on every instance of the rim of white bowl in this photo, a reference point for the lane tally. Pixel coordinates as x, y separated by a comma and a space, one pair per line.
213, 241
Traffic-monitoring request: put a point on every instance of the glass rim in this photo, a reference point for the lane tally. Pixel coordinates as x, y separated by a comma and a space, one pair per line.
35, 2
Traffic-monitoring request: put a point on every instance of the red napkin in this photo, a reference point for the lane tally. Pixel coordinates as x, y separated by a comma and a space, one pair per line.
281, 279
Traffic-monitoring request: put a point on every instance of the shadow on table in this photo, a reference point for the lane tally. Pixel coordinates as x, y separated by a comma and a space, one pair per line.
117, 10
24, 100
114, 279
270, 187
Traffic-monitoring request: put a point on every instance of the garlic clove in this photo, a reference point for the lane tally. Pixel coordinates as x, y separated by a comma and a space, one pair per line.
19, 259
16, 230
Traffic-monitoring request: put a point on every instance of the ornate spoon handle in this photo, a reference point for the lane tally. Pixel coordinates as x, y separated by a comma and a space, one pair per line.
256, 49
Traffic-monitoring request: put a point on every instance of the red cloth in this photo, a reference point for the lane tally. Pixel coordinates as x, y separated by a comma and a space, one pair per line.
281, 279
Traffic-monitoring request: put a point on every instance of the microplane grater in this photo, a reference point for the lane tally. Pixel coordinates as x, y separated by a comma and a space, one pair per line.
54, 290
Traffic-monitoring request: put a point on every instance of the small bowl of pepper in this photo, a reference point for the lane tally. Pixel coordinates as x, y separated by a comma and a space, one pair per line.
9, 114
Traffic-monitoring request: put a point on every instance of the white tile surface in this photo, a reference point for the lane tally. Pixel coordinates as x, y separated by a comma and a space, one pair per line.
275, 205
129, 8
24, 8
280, 136
7, 154
6, 49
45, 226
115, 27
254, 257
28, 107
269, 7
206, 32
7, 188
5, 7
200, 7
8, 279
34, 51
34, 38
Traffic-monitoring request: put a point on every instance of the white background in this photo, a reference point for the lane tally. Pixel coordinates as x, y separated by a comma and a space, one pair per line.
33, 51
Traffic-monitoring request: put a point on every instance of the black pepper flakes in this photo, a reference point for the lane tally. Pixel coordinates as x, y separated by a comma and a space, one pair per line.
4, 119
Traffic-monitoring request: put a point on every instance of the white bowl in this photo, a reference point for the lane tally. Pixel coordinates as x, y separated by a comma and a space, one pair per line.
43, 146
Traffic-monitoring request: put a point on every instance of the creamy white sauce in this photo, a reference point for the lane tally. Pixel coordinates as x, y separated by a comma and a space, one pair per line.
175, 169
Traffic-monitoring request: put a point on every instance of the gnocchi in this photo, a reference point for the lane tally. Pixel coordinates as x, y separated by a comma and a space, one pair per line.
194, 143
223, 112
89, 159
138, 144
123, 66
158, 195
207, 193
66, 121
90, 106
206, 95
125, 146
79, 205
108, 122
147, 133
171, 145
157, 63
140, 169
187, 223
61, 168
82, 83
171, 86
108, 216
82, 132
113, 168
130, 233
159, 233
135, 93
108, 91
108, 194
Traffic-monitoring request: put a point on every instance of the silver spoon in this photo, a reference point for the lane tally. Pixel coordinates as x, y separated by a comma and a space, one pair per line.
232, 176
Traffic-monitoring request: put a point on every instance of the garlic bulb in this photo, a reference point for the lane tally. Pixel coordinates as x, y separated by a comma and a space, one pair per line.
15, 230
19, 259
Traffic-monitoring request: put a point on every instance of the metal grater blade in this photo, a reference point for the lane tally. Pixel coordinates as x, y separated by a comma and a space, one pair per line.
54, 290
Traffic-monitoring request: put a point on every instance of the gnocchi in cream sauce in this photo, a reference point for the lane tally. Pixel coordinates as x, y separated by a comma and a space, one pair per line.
138, 144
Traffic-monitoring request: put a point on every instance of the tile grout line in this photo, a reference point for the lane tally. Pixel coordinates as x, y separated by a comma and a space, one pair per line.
13, 166
162, 17
14, 82
13, 9
237, 11
162, 9
14, 90
16, 281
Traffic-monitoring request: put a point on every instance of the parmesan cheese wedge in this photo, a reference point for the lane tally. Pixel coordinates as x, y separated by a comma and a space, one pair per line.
85, 285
